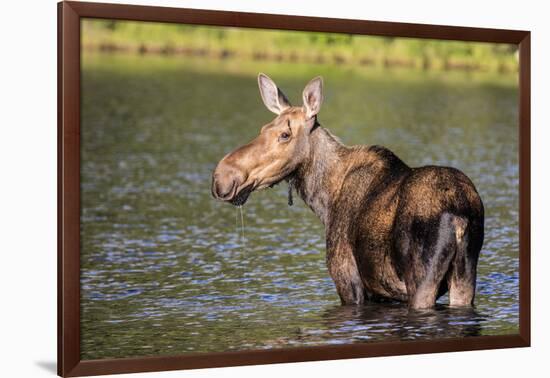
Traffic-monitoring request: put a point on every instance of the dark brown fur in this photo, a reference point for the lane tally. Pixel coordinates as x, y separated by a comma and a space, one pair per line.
392, 232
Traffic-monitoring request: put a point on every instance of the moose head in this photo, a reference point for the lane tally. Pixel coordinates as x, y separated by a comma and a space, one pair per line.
278, 151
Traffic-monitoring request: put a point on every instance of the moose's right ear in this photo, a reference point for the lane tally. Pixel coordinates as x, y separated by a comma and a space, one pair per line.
274, 99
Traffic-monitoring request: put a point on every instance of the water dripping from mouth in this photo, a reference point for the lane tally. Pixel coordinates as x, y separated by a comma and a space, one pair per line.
237, 222
242, 224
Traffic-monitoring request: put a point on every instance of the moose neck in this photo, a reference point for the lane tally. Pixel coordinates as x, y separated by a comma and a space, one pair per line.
316, 180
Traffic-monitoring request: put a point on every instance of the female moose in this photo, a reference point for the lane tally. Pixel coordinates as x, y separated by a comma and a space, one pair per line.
392, 232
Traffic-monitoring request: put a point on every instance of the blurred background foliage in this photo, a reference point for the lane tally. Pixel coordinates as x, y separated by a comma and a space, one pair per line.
293, 46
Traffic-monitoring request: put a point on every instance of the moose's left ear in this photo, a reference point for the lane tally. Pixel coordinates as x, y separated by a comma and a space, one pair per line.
313, 96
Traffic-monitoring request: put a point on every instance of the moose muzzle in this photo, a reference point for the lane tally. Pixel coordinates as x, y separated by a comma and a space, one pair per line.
227, 182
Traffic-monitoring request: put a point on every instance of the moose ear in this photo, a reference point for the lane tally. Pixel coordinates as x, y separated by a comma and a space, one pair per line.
273, 98
313, 96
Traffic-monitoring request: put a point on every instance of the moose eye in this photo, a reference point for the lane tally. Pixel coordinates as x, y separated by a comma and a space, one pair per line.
284, 136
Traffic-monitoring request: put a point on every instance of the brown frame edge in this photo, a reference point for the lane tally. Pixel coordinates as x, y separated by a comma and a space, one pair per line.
69, 15
68, 227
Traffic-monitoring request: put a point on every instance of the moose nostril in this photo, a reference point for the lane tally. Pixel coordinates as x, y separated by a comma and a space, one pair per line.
226, 179
224, 189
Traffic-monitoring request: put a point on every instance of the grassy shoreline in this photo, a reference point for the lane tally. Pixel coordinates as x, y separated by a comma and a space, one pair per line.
289, 46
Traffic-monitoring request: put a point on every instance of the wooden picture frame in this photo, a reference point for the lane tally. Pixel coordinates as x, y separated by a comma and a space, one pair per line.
69, 16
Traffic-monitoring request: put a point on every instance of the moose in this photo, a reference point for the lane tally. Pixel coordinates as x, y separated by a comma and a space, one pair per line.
393, 233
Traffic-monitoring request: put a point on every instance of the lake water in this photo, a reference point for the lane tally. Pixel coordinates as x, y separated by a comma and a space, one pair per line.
165, 269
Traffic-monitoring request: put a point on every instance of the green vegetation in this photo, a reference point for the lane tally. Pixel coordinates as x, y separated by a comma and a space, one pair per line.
292, 46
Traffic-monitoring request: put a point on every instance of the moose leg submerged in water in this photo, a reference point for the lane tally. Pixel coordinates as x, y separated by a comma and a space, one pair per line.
392, 232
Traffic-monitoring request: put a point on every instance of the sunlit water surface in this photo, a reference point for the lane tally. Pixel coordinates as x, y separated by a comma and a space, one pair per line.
165, 268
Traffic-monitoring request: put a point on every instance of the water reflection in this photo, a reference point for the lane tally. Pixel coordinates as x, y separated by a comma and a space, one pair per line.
396, 322
165, 269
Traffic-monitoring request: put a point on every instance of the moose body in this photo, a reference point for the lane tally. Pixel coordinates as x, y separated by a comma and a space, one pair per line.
392, 232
